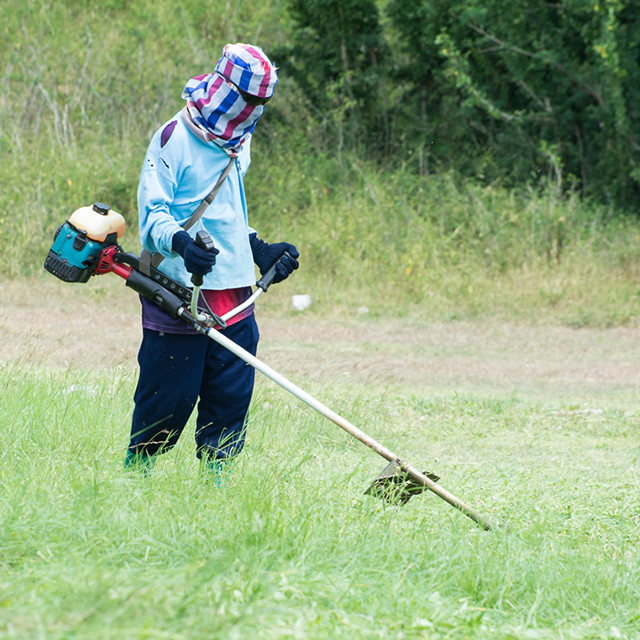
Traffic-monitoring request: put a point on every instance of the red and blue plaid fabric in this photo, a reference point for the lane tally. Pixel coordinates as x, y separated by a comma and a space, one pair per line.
215, 104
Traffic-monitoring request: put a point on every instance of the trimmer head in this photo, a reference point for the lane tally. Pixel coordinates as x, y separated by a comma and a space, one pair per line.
395, 486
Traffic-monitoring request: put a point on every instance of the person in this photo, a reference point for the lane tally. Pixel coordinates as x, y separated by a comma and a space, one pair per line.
178, 366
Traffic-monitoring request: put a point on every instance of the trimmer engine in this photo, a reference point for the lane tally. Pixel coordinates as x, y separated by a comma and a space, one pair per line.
79, 242
87, 244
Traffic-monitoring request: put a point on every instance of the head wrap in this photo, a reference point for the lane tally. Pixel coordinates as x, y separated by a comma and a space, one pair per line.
216, 107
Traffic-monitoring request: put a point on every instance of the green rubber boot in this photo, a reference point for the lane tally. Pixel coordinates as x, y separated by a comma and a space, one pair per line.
215, 471
140, 462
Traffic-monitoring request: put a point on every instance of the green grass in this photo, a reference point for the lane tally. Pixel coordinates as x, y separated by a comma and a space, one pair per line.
289, 547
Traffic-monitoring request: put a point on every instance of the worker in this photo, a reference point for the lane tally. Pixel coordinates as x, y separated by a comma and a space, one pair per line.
180, 367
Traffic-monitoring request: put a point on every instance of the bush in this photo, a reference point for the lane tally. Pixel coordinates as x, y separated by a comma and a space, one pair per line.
518, 90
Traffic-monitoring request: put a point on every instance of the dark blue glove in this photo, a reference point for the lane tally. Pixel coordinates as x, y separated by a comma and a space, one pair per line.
196, 260
265, 255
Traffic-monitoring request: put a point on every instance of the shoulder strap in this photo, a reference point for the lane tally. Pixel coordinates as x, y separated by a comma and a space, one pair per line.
202, 207
147, 259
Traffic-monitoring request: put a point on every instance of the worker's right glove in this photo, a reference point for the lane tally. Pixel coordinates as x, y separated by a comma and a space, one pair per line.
196, 260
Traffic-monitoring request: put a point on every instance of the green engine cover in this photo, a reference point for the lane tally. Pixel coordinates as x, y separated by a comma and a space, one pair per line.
73, 257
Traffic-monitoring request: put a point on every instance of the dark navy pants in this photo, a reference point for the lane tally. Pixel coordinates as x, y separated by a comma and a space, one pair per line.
176, 370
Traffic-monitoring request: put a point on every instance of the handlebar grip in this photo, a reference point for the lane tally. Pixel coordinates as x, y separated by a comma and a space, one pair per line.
267, 278
204, 241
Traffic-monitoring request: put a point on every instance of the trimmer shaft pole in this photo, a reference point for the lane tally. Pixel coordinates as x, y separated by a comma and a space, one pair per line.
279, 379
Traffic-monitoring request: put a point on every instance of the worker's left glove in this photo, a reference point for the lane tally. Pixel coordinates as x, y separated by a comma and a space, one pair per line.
265, 255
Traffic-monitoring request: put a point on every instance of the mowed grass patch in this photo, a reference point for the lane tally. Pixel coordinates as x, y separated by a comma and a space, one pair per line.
288, 546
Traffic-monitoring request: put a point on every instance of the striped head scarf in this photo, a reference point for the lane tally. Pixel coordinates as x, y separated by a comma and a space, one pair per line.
218, 104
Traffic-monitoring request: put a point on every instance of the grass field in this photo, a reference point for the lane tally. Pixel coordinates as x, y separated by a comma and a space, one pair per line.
288, 546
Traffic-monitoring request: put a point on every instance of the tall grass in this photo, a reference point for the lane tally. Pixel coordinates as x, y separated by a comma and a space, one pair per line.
82, 89
441, 249
289, 547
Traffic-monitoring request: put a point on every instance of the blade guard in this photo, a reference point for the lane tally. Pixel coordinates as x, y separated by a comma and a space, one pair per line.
394, 486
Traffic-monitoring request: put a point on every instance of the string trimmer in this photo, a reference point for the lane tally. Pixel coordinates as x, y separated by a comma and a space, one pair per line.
87, 245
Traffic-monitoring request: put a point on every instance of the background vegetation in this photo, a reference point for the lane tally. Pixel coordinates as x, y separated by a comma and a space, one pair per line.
435, 151
493, 89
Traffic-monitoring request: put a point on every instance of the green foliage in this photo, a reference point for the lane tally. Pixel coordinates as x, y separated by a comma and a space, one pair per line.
514, 89
337, 57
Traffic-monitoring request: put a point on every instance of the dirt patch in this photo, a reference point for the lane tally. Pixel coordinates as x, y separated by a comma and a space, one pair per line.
52, 324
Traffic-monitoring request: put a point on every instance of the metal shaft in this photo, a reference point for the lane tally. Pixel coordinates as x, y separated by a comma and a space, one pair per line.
360, 435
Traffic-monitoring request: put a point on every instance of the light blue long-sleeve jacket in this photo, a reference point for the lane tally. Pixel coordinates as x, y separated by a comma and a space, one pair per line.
175, 178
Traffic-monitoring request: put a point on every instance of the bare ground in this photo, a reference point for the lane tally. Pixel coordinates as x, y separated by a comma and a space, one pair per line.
51, 324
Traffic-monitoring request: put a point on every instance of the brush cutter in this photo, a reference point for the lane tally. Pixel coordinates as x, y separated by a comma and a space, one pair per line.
87, 244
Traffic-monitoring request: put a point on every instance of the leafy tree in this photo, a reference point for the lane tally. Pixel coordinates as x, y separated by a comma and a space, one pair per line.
515, 89
337, 58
